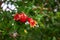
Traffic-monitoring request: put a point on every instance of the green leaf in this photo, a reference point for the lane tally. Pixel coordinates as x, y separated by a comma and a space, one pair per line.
54, 38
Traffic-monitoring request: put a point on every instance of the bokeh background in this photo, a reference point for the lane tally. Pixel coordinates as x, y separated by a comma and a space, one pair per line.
45, 12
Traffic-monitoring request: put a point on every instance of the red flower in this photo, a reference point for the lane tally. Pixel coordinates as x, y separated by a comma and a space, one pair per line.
32, 22
16, 17
23, 17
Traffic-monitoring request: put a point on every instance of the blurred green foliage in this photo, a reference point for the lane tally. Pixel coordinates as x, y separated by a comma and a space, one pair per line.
40, 10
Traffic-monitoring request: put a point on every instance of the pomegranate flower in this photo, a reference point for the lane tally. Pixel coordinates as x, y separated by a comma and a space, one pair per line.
16, 17
22, 17
32, 22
